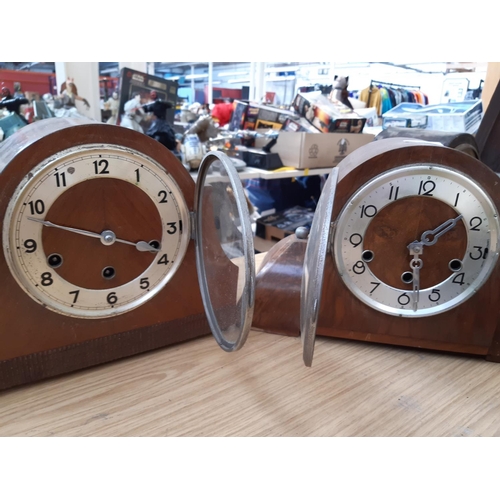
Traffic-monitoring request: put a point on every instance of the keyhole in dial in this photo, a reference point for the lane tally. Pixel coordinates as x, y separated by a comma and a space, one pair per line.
455, 265
108, 273
367, 256
407, 277
54, 260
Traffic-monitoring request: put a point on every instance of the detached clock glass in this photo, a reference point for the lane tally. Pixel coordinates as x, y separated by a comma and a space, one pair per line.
404, 250
105, 237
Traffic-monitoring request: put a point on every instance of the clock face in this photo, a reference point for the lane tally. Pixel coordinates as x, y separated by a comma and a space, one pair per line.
449, 218
96, 231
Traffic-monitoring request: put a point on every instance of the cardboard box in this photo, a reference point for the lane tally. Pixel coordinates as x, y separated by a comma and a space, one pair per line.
251, 116
264, 124
279, 225
326, 115
239, 114
299, 125
303, 150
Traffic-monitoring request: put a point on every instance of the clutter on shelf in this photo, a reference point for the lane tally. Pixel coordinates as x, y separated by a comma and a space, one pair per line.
281, 224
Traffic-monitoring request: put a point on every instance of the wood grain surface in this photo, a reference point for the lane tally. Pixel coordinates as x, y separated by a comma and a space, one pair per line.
196, 389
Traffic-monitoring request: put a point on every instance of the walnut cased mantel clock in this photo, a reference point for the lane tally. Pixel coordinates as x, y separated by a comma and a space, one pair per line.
404, 250
104, 252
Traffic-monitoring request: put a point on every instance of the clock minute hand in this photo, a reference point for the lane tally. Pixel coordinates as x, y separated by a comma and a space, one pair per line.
65, 228
107, 237
439, 231
416, 264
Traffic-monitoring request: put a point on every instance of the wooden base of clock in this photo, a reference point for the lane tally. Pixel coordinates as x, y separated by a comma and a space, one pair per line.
472, 327
277, 288
35, 342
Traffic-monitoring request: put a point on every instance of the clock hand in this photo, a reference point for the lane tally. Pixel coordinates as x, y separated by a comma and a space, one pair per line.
107, 237
416, 264
417, 247
439, 231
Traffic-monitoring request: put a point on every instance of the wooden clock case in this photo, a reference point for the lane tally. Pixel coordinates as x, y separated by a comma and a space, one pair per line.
36, 343
472, 327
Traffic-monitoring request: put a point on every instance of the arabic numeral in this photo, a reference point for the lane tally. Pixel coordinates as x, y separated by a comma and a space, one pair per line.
37, 207
355, 240
395, 192
434, 296
479, 253
163, 196
137, 175
101, 163
375, 287
30, 246
47, 279
404, 299
163, 260
60, 179
173, 227
112, 298
477, 221
459, 279
75, 293
359, 267
426, 188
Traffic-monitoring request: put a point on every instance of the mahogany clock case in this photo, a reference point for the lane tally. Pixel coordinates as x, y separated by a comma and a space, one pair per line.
37, 343
277, 288
470, 327
467, 328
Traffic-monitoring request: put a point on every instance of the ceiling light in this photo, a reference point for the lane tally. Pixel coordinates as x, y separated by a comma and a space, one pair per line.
199, 75
232, 73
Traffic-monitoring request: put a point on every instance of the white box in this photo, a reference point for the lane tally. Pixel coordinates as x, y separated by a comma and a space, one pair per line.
303, 150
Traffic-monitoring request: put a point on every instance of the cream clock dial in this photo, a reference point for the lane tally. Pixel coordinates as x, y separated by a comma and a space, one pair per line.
95, 231
440, 251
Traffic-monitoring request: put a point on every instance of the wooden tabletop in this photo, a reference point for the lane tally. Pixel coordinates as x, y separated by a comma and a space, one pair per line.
196, 389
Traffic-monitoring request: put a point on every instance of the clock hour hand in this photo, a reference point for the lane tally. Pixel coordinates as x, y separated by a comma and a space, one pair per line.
416, 264
439, 231
107, 237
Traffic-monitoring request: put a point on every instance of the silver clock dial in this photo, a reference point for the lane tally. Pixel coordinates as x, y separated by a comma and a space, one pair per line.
38, 273
471, 206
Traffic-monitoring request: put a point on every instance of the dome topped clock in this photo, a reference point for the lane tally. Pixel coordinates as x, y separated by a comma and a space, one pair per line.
404, 250
103, 248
